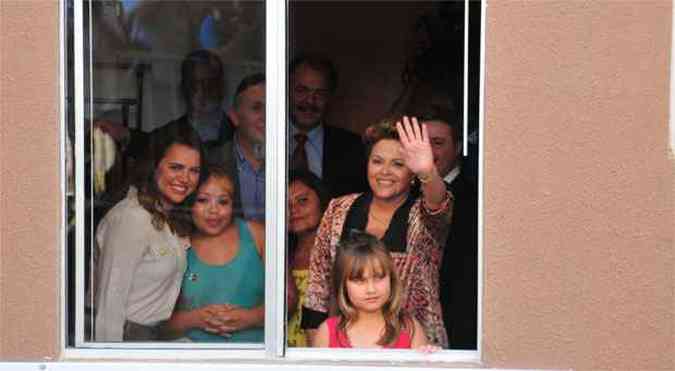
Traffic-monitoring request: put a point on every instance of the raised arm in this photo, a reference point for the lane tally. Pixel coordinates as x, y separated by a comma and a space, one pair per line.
419, 159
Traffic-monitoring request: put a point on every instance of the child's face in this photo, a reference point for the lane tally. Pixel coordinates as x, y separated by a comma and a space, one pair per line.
371, 291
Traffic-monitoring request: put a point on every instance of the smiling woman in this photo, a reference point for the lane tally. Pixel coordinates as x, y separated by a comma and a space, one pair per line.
141, 253
223, 292
411, 224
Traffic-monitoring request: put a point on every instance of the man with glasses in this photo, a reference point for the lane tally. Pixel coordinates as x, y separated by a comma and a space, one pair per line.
335, 155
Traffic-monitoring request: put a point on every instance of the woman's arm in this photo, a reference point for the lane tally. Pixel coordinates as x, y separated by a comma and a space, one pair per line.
291, 293
258, 231
203, 318
122, 239
419, 338
420, 160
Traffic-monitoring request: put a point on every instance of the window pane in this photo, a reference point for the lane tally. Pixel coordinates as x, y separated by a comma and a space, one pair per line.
173, 150
361, 65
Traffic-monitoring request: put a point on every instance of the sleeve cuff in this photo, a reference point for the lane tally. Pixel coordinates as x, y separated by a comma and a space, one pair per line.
311, 319
448, 199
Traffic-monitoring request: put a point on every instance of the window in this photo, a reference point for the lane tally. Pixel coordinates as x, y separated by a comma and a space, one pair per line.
137, 68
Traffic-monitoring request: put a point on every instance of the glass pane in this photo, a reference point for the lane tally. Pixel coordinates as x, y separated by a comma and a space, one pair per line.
394, 58
174, 172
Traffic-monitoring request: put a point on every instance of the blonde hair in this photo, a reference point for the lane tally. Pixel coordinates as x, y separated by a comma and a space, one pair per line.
356, 253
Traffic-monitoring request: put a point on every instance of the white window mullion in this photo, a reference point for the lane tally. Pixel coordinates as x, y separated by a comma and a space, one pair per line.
275, 172
465, 84
78, 100
481, 196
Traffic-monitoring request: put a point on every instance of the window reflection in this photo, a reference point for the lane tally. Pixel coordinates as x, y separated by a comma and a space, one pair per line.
177, 127
394, 59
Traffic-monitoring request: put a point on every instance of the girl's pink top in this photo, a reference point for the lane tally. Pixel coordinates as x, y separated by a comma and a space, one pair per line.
338, 339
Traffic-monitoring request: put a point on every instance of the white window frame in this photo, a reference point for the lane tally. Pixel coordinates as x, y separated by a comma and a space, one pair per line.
275, 350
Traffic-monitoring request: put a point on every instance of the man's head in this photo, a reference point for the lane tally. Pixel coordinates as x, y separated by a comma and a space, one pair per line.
313, 81
202, 82
444, 137
248, 111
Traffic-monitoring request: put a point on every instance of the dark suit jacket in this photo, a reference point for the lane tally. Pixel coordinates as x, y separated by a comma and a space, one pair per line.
459, 268
344, 162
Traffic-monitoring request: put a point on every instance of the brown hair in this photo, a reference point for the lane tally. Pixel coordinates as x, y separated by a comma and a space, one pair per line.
178, 218
355, 253
318, 63
385, 129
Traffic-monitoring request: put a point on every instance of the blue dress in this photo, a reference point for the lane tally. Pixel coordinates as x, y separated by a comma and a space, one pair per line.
240, 282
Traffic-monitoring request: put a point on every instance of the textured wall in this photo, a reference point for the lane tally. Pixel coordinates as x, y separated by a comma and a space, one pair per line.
578, 186
29, 179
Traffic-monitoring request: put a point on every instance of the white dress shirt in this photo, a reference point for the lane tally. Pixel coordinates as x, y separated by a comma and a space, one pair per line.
139, 270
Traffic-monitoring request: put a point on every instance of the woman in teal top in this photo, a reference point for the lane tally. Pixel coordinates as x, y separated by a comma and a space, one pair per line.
223, 290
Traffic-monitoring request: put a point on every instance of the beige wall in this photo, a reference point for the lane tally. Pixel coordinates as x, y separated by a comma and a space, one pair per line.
29, 179
579, 185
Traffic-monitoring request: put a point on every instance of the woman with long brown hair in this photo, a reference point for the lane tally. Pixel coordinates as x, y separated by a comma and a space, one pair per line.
139, 243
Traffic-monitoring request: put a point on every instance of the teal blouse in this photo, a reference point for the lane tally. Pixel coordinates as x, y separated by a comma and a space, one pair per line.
240, 282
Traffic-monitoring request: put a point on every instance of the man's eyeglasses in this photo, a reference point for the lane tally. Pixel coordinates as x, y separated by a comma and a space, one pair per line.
303, 92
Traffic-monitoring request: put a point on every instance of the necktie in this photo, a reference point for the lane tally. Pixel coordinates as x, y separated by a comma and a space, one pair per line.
299, 158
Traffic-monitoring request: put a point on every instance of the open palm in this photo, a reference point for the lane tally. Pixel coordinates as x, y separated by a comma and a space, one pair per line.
415, 146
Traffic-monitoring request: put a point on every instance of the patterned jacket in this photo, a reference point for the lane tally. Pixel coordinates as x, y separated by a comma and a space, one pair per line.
417, 266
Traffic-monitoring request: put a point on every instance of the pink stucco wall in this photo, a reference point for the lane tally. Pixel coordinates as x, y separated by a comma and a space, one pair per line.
579, 185
29, 179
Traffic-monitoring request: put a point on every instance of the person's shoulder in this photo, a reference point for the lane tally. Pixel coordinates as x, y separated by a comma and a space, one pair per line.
127, 212
323, 333
257, 228
345, 200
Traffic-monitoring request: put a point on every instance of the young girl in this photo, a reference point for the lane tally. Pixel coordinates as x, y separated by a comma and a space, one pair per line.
368, 295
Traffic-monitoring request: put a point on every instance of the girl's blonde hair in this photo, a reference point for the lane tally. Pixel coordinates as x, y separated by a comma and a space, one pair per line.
355, 253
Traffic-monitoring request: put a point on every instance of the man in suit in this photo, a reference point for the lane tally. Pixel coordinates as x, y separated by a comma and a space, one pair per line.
243, 156
459, 267
335, 155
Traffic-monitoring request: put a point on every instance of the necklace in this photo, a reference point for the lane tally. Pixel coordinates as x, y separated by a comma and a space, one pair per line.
382, 221
371, 214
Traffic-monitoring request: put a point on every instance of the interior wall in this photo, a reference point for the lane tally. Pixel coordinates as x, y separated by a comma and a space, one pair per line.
579, 182
367, 43
579, 186
30, 199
